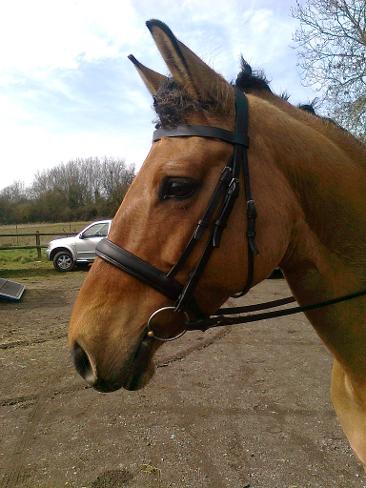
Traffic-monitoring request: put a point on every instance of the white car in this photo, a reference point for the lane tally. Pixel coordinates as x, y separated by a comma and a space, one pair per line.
67, 252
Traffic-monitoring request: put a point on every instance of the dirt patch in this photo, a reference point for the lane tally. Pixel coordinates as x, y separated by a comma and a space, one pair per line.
234, 408
113, 479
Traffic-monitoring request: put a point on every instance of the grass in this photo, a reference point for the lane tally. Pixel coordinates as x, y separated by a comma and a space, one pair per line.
24, 263
20, 256
21, 263
27, 270
36, 270
54, 228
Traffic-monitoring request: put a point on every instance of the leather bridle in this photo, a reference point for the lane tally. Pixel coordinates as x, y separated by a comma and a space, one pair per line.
219, 206
213, 222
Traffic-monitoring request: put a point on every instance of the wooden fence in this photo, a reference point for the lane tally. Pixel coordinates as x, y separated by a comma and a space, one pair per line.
37, 235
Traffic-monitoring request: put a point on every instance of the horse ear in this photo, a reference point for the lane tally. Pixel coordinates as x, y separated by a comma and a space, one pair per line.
196, 77
151, 78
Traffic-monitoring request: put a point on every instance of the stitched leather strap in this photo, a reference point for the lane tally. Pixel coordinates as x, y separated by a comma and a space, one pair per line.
138, 268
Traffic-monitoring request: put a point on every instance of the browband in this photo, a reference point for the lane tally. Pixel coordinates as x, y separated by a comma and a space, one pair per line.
240, 138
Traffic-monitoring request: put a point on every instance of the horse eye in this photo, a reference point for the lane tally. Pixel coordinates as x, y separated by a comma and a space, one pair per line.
178, 188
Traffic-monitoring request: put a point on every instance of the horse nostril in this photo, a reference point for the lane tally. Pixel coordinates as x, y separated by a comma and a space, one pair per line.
82, 364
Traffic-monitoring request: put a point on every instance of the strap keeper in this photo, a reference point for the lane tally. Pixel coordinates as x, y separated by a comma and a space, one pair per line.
219, 226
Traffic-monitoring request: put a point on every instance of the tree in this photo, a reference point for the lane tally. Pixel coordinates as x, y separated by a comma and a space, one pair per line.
14, 192
13, 199
80, 189
115, 178
331, 43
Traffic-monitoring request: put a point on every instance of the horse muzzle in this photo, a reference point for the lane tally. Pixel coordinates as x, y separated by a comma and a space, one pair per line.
132, 376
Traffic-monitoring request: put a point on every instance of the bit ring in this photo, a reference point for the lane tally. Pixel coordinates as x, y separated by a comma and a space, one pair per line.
150, 332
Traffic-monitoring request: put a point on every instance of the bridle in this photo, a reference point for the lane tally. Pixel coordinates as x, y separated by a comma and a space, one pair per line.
220, 206
213, 221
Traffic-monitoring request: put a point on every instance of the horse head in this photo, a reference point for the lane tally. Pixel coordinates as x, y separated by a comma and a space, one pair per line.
159, 215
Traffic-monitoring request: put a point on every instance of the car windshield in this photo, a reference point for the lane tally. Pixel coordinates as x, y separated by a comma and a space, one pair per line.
97, 230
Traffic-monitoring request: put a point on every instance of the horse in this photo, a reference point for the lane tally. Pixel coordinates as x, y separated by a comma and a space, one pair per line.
308, 180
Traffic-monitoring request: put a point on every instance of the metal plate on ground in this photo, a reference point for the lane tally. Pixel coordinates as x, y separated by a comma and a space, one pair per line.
11, 290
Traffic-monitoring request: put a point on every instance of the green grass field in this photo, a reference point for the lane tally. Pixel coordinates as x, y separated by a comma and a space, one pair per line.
18, 262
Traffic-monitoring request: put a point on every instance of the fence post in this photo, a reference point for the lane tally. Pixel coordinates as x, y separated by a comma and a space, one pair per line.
38, 244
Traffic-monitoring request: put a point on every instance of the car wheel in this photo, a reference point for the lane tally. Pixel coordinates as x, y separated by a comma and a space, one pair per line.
63, 261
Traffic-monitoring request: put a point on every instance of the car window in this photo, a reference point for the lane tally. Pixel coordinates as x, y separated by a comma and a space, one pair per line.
97, 230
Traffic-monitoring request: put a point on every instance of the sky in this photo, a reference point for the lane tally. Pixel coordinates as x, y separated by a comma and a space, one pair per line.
67, 89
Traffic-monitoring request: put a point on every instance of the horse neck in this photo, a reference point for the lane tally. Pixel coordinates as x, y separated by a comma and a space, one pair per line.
328, 183
326, 254
343, 139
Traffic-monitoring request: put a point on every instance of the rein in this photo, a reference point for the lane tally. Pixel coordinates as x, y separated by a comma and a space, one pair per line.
220, 318
220, 204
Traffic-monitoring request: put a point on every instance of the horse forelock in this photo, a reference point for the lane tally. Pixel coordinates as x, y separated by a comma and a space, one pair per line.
173, 104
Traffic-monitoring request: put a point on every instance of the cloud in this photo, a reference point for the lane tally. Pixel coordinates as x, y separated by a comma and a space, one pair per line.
43, 35
68, 90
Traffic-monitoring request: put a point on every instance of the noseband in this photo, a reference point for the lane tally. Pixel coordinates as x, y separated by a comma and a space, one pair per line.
220, 204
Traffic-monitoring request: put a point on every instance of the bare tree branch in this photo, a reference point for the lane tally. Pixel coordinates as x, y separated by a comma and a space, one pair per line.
331, 42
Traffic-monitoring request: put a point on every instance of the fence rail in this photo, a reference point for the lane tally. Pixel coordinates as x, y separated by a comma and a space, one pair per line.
37, 235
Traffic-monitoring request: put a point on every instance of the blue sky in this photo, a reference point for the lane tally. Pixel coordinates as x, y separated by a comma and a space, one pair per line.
67, 89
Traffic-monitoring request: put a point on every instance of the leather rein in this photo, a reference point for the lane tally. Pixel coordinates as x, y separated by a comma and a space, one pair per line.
220, 205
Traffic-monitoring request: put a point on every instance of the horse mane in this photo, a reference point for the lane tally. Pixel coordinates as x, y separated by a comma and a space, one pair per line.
256, 83
250, 80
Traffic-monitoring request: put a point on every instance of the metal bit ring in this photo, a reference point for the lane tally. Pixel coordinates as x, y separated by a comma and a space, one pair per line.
150, 332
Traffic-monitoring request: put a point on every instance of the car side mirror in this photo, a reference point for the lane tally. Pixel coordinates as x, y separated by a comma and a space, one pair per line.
81, 236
